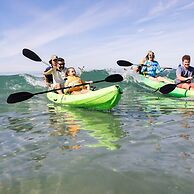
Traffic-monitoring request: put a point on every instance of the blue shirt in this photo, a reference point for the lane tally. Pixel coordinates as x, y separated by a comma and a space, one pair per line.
151, 68
182, 71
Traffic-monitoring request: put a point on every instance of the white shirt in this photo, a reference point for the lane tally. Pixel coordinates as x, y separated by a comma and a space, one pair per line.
63, 71
57, 77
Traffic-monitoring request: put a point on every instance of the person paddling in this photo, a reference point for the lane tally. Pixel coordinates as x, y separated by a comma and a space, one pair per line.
151, 68
184, 73
55, 72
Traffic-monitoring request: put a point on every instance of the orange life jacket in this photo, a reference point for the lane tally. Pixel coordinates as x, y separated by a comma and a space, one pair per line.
75, 80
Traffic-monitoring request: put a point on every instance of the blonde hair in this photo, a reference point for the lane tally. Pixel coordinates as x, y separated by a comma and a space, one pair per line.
68, 69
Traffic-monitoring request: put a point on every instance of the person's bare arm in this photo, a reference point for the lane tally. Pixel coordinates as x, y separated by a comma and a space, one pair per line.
49, 72
181, 78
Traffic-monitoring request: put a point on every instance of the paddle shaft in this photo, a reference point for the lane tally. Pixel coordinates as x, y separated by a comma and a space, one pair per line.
53, 90
22, 96
110, 78
46, 63
164, 68
128, 64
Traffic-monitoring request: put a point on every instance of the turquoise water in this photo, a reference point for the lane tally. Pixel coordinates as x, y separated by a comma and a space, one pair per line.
143, 146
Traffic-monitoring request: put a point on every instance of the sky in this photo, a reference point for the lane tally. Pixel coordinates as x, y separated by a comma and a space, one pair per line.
94, 33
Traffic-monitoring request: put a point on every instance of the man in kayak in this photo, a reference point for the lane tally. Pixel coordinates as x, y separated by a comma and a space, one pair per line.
184, 73
55, 72
62, 67
151, 68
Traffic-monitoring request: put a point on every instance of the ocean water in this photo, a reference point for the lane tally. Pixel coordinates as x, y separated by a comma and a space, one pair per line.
145, 145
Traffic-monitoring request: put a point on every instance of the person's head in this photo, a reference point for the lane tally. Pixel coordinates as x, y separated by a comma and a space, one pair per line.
150, 56
53, 60
186, 61
70, 72
61, 62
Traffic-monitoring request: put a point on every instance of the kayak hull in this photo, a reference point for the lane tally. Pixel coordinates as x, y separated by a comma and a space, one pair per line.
102, 99
177, 92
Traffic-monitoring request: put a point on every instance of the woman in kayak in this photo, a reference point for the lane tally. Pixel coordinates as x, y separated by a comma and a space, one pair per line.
72, 80
151, 68
184, 73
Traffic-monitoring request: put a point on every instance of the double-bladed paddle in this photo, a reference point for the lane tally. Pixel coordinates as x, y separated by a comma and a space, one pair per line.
170, 87
124, 63
22, 96
32, 55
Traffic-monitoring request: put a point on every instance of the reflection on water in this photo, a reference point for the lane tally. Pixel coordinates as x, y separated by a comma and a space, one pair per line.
20, 124
145, 145
160, 132
103, 127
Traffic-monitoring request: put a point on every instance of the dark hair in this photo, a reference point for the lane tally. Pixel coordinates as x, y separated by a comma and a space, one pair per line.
60, 59
186, 57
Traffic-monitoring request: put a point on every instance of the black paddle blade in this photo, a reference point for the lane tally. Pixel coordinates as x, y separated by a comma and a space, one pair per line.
114, 78
31, 55
124, 63
19, 97
167, 88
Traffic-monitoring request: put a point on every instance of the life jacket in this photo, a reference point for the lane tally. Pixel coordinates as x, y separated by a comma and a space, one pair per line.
74, 80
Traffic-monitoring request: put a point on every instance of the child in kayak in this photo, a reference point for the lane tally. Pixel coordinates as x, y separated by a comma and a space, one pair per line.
151, 68
184, 73
72, 80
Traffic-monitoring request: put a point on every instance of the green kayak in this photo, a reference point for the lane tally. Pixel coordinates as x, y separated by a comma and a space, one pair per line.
145, 81
102, 99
